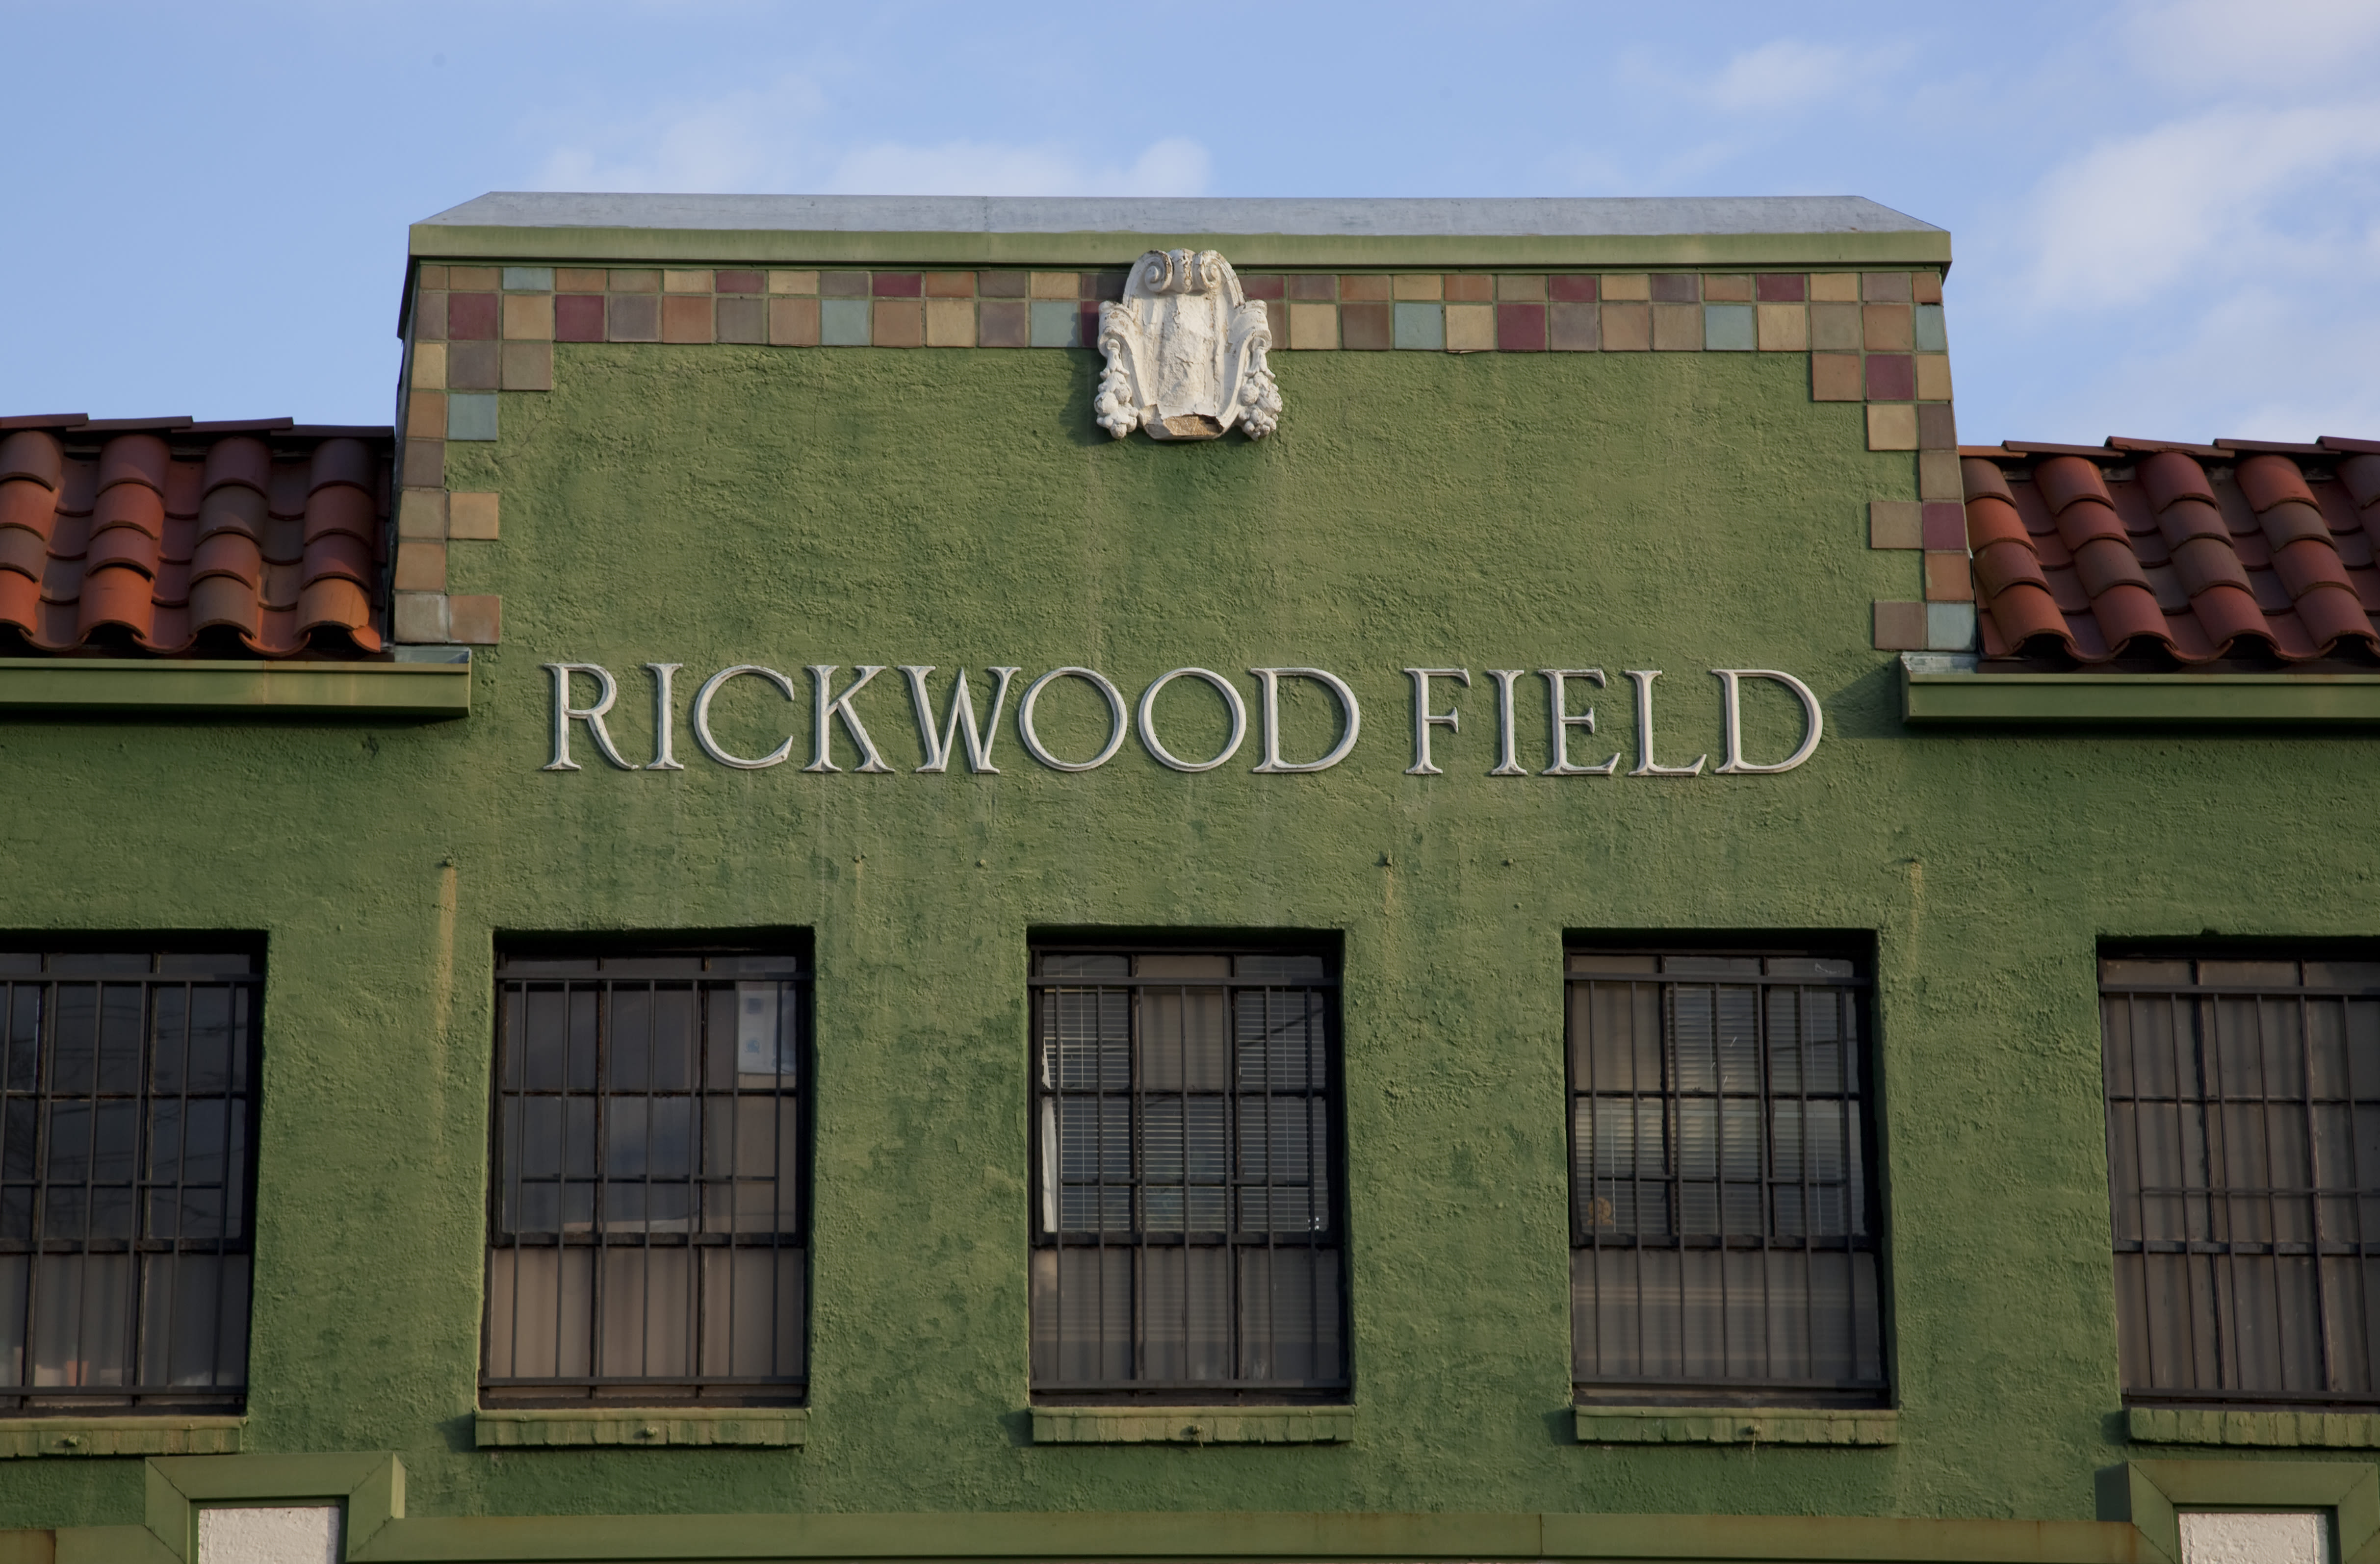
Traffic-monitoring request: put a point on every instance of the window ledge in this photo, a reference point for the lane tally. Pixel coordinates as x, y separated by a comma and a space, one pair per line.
2119, 700
2218, 1425
555, 1427
25, 1437
1193, 1426
69, 684
1734, 1426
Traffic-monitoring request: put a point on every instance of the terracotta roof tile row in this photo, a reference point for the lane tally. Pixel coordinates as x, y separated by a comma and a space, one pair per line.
2241, 548
166, 536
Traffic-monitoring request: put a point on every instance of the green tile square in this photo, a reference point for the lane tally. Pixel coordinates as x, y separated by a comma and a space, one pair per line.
1931, 335
1950, 626
528, 279
470, 416
1422, 326
1055, 324
843, 322
1729, 328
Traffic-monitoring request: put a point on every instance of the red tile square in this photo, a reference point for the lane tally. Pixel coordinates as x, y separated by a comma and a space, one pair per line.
1002, 325
742, 319
636, 317
1469, 287
1937, 428
736, 281
1946, 527
1319, 286
1366, 326
1676, 287
471, 317
899, 285
1892, 377
1088, 331
1574, 329
1781, 287
1264, 285
1520, 328
1571, 287
578, 316
1101, 286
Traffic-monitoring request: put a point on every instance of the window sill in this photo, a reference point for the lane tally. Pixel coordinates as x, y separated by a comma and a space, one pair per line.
577, 1427
2120, 700
1734, 1426
2280, 1430
1193, 1426
21, 1437
71, 685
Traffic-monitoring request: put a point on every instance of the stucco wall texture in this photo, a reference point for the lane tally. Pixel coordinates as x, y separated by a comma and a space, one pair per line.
716, 506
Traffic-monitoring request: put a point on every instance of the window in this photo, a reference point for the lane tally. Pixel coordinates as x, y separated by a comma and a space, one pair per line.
1186, 1230
2243, 1162
646, 1241
1723, 1230
125, 1180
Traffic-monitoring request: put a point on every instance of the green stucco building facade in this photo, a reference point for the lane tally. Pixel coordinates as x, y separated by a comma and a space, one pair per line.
1676, 464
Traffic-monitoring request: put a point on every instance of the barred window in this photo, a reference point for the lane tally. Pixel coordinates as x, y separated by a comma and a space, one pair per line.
1723, 1231
1186, 1230
2243, 1162
648, 1240
127, 1179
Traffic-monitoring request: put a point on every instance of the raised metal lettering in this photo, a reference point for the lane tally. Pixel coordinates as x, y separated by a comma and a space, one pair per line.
1351, 725
1424, 719
608, 691
1563, 720
1646, 767
701, 718
960, 724
1812, 723
1146, 717
1117, 725
664, 719
1508, 756
825, 711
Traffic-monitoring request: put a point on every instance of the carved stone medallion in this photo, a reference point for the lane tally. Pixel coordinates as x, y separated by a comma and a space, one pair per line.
1185, 352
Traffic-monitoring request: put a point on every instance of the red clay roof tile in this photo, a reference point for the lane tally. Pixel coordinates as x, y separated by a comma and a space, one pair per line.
2200, 552
266, 534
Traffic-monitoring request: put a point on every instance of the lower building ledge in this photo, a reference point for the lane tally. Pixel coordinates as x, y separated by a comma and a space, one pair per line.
65, 686
21, 1437
1193, 1426
2117, 700
2279, 1430
1734, 1426
568, 1426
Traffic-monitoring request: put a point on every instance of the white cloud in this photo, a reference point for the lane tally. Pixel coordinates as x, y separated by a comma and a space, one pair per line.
1175, 166
2229, 46
1788, 74
2220, 192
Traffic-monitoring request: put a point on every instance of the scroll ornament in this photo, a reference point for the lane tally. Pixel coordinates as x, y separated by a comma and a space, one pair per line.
1185, 352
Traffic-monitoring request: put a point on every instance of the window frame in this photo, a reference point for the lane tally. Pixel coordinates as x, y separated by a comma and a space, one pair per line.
1863, 1091
1145, 1391
789, 955
229, 952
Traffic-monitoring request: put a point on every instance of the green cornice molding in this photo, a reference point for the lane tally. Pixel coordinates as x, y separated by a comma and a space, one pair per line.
2117, 700
2273, 1430
1923, 247
1734, 1425
2349, 1489
371, 1484
1193, 1426
577, 1427
24, 1438
68, 686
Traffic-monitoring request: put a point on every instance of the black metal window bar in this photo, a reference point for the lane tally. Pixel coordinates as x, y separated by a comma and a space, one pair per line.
648, 1235
1724, 1243
128, 1099
1186, 1232
2243, 1162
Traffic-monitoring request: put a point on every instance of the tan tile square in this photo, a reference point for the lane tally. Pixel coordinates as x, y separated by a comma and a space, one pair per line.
1420, 285
794, 323
1834, 288
1886, 328
578, 279
471, 516
1276, 321
1835, 328
1939, 477
1677, 327
792, 282
528, 365
1729, 288
473, 278
1900, 626
1834, 377
1891, 426
421, 618
1526, 289
475, 621
1933, 377
950, 285
899, 322
1948, 579
1926, 286
686, 318
425, 463
1627, 328
635, 281
1623, 287
1469, 287
425, 416
529, 317
420, 565
687, 282
430, 277
950, 322
1783, 328
430, 366
1056, 284
1365, 287
422, 512
1470, 328
1896, 524
1573, 328
1313, 326
1884, 287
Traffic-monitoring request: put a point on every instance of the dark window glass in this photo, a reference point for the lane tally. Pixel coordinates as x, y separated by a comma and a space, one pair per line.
2243, 1162
1723, 1224
1186, 1232
647, 1239
128, 1106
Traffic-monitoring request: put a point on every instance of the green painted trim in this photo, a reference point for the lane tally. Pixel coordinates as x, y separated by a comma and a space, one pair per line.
371, 1484
22, 1438
271, 689
2350, 1489
110, 1545
35, 1546
1838, 1540
1193, 1426
1734, 1425
2121, 699
775, 1427
2331, 1430
780, 247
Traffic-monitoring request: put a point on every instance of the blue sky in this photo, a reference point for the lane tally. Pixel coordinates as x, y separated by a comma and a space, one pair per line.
2166, 212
